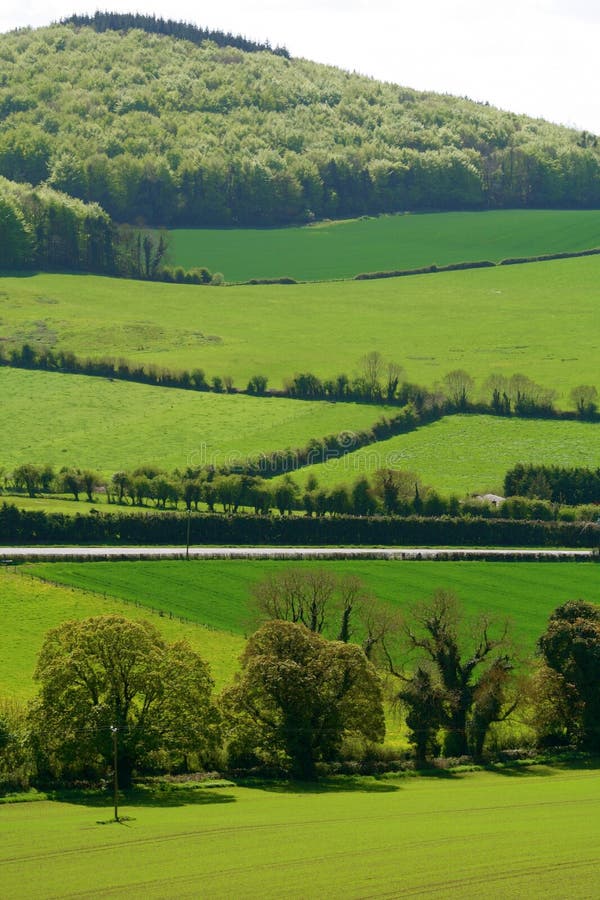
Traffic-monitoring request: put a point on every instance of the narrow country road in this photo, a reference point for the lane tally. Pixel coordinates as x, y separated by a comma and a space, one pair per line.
55, 554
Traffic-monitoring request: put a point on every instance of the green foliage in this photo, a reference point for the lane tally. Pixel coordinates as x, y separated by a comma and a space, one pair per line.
195, 133
42, 227
576, 485
570, 647
298, 694
461, 679
111, 21
108, 673
16, 246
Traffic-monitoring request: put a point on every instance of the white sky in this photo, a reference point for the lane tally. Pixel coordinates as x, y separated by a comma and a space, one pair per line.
538, 57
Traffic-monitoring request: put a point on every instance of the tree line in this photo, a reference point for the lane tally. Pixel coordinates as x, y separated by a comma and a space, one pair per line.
169, 132
385, 492
309, 694
478, 264
557, 484
42, 228
184, 31
30, 527
376, 381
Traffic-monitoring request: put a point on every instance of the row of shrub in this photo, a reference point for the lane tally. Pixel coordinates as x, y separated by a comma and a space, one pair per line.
478, 264
386, 492
377, 382
22, 527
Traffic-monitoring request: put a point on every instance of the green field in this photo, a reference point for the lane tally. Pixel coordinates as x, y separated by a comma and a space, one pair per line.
30, 607
515, 833
216, 593
112, 425
539, 319
332, 250
467, 454
68, 506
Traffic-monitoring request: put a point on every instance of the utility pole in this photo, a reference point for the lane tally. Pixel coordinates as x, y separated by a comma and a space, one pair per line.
114, 731
187, 540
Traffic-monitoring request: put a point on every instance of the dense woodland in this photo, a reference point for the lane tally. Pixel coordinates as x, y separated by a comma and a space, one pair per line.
163, 130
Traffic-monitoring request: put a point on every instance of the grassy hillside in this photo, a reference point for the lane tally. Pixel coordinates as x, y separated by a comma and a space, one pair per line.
467, 454
466, 835
216, 592
163, 130
508, 319
332, 250
31, 607
110, 425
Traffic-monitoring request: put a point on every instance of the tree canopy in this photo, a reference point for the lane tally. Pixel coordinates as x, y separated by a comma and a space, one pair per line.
298, 695
108, 672
166, 124
570, 648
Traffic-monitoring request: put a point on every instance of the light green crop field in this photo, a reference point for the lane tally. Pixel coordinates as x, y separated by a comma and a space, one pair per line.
68, 506
30, 607
342, 249
514, 834
112, 425
540, 319
217, 593
467, 454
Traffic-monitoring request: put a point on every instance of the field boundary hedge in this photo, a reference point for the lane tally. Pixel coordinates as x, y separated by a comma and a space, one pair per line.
478, 264
22, 527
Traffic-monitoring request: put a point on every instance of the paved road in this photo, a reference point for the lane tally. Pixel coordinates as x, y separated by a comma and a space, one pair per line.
54, 554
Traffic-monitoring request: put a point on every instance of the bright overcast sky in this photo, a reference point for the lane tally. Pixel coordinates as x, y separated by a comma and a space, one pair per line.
538, 57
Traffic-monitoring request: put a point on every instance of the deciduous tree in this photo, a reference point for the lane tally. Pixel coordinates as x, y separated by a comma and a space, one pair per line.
570, 648
299, 695
108, 672
461, 675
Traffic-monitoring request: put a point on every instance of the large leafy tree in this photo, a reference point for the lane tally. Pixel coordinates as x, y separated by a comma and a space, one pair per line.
570, 649
106, 673
298, 695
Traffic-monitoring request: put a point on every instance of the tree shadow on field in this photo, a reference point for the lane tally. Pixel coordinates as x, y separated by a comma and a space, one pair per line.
533, 770
360, 784
162, 796
550, 766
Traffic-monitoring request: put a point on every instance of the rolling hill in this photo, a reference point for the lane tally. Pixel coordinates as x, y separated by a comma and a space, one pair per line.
165, 130
506, 319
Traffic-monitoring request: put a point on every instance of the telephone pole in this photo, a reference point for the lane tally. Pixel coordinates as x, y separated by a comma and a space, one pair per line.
114, 731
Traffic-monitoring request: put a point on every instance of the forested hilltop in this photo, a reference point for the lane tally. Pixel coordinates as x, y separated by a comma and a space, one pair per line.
164, 130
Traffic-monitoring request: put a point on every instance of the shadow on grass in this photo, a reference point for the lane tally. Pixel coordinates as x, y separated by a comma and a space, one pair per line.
531, 770
163, 796
362, 784
545, 767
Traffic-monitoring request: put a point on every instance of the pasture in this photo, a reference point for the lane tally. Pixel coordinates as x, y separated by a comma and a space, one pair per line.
507, 319
112, 425
511, 833
30, 607
342, 249
467, 454
217, 593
